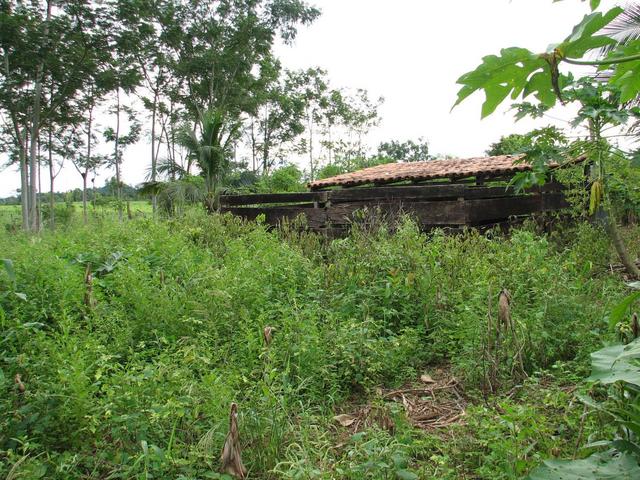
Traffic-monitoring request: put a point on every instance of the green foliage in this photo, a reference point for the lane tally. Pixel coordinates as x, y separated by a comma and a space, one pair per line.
613, 364
138, 383
62, 212
287, 178
408, 151
519, 72
595, 467
347, 164
522, 143
617, 368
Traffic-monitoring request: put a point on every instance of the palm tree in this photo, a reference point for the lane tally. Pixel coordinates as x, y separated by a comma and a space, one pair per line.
173, 196
211, 152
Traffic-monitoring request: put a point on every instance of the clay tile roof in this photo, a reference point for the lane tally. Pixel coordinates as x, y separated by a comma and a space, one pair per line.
433, 169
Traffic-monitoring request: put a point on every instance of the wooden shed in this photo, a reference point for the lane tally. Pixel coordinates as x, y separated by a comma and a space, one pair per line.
438, 193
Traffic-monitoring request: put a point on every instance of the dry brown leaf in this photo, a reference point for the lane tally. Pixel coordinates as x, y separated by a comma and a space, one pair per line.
267, 333
345, 420
18, 380
426, 379
231, 458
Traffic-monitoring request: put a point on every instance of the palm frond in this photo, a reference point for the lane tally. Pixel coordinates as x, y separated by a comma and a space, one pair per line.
150, 188
624, 29
168, 167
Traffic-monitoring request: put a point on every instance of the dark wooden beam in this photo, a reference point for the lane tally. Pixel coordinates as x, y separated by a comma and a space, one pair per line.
315, 217
427, 213
266, 198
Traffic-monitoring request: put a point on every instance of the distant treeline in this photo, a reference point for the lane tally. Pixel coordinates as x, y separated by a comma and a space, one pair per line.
107, 191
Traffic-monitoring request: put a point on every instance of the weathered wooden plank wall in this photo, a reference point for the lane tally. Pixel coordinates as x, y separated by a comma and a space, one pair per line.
432, 205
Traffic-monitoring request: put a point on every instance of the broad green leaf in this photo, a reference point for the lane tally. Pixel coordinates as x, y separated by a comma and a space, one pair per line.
540, 85
620, 310
8, 267
626, 75
399, 461
584, 38
608, 367
406, 475
596, 467
500, 76
632, 350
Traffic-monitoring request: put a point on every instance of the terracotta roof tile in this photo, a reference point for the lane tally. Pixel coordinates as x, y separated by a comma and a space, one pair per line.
433, 169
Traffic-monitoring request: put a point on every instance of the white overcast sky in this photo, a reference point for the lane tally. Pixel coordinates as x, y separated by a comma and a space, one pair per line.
411, 52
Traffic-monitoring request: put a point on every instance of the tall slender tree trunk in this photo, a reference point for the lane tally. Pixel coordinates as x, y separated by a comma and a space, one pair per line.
52, 177
84, 197
265, 143
85, 217
20, 133
607, 207
330, 144
154, 157
311, 166
95, 193
621, 249
35, 133
253, 147
117, 155
39, 196
24, 188
33, 164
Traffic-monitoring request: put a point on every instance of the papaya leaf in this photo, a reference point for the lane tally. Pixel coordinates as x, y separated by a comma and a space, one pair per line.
539, 84
632, 350
626, 75
608, 366
8, 267
517, 71
605, 466
583, 37
502, 75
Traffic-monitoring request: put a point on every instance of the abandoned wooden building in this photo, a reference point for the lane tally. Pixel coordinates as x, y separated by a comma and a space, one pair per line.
438, 193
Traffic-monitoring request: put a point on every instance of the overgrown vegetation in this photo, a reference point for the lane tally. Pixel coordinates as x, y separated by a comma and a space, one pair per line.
130, 373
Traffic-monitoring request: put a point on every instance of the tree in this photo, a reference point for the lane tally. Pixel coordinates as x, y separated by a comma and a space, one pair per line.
518, 72
121, 142
279, 118
223, 67
312, 87
287, 178
517, 143
42, 45
408, 151
211, 151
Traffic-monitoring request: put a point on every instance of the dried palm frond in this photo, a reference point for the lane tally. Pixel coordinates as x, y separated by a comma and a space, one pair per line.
231, 458
267, 333
18, 380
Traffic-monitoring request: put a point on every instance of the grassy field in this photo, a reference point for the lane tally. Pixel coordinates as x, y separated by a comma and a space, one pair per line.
376, 366
11, 214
